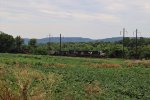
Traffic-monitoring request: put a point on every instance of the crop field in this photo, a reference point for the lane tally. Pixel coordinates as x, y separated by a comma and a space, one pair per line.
36, 77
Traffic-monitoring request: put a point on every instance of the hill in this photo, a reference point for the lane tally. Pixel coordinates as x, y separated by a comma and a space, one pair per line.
113, 39
73, 39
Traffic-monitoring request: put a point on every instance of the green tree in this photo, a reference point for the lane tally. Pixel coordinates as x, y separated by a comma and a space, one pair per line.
18, 43
6, 42
145, 52
116, 51
32, 43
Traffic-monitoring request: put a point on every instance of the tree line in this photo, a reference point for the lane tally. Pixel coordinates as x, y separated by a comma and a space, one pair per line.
9, 44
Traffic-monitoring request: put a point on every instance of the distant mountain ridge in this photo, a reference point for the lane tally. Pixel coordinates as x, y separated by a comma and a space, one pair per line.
113, 39
73, 39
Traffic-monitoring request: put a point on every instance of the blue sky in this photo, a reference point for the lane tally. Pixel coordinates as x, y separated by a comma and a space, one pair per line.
80, 18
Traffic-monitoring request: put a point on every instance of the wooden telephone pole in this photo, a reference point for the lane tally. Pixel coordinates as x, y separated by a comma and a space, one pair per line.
123, 33
123, 41
49, 44
136, 43
60, 43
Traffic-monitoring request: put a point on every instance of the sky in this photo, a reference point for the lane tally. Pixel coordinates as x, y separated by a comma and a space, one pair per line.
94, 19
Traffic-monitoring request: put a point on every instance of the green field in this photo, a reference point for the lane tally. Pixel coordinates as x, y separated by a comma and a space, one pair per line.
36, 77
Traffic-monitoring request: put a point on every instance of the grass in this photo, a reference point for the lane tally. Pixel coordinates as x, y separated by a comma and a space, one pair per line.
36, 77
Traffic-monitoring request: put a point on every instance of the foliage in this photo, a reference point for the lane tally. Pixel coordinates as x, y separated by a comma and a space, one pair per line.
41, 50
18, 44
111, 49
37, 77
32, 46
32, 43
6, 42
146, 52
143, 47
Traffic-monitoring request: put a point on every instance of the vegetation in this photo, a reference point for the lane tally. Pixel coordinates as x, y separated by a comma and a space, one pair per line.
111, 49
6, 42
18, 44
37, 77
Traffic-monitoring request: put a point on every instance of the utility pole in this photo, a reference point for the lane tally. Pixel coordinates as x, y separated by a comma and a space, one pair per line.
123, 40
136, 43
124, 31
60, 43
49, 43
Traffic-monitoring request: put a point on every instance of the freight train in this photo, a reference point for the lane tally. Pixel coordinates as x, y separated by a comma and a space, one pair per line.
74, 53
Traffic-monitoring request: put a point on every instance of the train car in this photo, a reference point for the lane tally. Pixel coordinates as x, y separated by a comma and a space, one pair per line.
72, 53
64, 53
95, 53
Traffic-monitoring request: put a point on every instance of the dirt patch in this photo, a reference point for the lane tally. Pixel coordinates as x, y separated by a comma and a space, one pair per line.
57, 65
69, 97
93, 88
134, 63
105, 65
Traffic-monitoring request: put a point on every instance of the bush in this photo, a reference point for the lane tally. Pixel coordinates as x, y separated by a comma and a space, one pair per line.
40, 50
145, 52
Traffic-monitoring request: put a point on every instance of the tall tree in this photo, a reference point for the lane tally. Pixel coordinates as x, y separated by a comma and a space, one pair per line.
32, 46
18, 43
6, 42
32, 43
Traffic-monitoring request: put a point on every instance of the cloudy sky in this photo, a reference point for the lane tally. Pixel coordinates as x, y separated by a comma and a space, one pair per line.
79, 18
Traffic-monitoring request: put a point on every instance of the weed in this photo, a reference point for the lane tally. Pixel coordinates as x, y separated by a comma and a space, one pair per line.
5, 92
34, 77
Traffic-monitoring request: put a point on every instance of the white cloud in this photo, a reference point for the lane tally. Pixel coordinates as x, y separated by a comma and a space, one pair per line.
86, 16
82, 16
147, 7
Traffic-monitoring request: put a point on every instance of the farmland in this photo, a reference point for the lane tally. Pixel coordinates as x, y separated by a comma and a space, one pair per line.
37, 77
